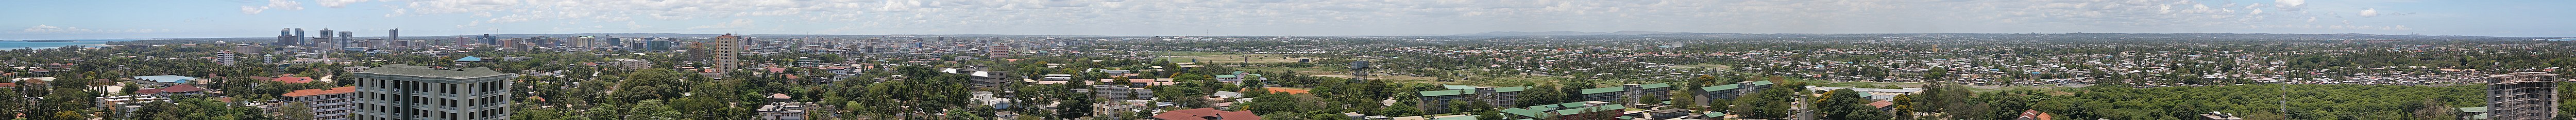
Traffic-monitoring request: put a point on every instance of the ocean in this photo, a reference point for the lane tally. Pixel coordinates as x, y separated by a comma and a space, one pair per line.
23, 44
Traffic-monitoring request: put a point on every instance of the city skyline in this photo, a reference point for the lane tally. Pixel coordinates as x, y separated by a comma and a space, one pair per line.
113, 19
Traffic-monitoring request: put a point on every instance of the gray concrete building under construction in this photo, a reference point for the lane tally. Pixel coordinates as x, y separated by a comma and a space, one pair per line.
402, 92
2522, 96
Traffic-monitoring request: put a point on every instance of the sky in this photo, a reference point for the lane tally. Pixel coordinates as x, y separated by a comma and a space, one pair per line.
106, 19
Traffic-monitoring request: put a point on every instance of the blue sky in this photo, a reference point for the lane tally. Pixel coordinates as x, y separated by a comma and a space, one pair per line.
98, 19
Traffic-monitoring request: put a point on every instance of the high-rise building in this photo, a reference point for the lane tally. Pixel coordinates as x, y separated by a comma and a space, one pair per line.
393, 34
997, 51
326, 41
580, 41
286, 37
657, 46
725, 47
2522, 96
300, 38
346, 37
403, 92
413, 93
614, 41
488, 39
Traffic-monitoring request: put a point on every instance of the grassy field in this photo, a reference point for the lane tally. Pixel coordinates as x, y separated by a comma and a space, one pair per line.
1225, 57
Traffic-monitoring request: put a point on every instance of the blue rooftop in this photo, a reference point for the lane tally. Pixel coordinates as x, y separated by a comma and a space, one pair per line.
166, 78
469, 58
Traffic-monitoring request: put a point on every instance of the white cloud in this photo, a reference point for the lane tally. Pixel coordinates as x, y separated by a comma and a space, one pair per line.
251, 10
336, 3
2369, 12
2289, 5
273, 4
78, 30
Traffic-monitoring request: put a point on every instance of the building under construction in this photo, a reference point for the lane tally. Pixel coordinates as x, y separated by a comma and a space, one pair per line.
2522, 96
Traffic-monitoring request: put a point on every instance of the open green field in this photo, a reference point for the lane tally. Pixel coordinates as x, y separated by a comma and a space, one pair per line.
1225, 57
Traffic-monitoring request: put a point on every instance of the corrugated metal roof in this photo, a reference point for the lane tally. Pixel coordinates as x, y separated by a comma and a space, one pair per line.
1443, 93
166, 78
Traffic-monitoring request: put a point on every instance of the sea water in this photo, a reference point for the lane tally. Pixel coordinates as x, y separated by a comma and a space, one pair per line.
23, 44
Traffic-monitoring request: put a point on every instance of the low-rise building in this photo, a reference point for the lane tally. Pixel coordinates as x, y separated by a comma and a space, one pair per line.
783, 111
1588, 110
327, 103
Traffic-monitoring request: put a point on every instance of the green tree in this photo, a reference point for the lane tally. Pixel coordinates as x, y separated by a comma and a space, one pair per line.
296, 111
1770, 103
1845, 104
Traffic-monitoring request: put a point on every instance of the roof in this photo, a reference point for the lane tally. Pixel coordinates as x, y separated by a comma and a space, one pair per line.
1510, 89
2473, 109
293, 79
8, 84
1656, 85
1458, 87
469, 58
1443, 93
1718, 88
1881, 104
418, 71
1760, 83
1201, 113
1457, 117
1602, 90
1225, 76
1283, 90
174, 88
311, 92
1239, 115
166, 78
779, 96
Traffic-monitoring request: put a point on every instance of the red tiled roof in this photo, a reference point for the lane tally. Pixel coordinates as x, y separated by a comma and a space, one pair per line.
1881, 104
311, 92
8, 84
1239, 115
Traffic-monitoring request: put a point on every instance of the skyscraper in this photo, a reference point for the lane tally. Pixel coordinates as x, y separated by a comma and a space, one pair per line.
345, 38
393, 34
286, 37
324, 42
300, 38
414, 92
488, 39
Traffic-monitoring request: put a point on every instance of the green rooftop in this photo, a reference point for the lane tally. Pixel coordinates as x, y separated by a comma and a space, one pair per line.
1656, 85
1717, 88
1443, 93
1602, 90
1510, 89
1458, 87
